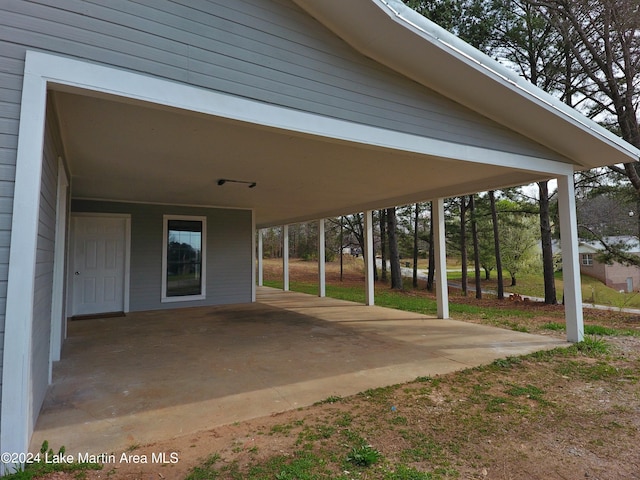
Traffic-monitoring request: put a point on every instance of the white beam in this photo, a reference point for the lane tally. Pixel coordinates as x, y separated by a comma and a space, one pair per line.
368, 258
285, 258
570, 259
99, 78
442, 293
322, 287
260, 259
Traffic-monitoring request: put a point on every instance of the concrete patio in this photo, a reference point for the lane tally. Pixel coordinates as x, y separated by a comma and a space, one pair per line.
155, 375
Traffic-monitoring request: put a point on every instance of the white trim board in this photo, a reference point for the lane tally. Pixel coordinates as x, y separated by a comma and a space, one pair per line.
61, 73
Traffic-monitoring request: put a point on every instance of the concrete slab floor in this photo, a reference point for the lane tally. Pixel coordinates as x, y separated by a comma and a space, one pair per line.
155, 375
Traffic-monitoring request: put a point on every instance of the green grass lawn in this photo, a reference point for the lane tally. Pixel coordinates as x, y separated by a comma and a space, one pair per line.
391, 299
532, 284
505, 315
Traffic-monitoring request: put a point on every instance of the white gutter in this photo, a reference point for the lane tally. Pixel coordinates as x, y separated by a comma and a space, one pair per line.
497, 69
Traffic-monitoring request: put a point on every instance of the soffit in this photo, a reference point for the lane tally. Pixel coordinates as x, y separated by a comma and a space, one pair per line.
135, 152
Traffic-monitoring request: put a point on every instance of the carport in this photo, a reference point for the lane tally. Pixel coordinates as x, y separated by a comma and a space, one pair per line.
156, 375
356, 124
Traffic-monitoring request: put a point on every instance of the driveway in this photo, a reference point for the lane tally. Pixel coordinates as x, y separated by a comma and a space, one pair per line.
156, 375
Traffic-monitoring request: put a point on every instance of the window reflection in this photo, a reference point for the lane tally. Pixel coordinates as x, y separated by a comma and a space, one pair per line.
184, 258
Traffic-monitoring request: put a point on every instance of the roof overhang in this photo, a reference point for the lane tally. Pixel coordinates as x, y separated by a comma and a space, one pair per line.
396, 36
305, 166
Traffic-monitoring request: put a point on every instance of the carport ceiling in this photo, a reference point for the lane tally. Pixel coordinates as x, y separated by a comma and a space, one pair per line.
137, 152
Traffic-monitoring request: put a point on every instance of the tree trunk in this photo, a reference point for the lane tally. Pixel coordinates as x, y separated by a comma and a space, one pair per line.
476, 249
341, 247
513, 280
432, 252
372, 257
496, 244
547, 250
383, 244
415, 247
487, 274
463, 244
394, 257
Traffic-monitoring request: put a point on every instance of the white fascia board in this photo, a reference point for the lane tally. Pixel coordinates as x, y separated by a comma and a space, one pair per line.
73, 73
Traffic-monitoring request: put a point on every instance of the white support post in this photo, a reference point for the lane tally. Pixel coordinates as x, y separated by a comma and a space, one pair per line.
368, 260
442, 292
58, 316
285, 257
260, 259
570, 259
16, 411
322, 288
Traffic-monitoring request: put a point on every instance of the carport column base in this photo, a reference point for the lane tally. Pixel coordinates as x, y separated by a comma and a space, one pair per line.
368, 258
285, 258
440, 249
570, 259
322, 288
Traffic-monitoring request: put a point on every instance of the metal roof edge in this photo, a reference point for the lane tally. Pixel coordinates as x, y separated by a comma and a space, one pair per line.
499, 71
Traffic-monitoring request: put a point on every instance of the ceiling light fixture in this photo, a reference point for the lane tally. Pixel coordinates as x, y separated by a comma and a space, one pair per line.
222, 181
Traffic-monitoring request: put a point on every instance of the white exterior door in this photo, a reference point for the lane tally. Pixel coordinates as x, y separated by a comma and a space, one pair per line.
98, 264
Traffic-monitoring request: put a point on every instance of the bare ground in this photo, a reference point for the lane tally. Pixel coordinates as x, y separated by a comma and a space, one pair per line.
547, 417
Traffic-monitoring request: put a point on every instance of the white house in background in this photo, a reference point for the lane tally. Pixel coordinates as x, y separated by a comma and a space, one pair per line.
118, 121
614, 275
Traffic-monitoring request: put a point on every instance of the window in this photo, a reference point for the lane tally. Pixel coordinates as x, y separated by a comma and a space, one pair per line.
184, 258
587, 259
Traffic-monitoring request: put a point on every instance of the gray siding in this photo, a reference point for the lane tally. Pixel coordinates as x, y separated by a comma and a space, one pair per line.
40, 340
229, 255
261, 49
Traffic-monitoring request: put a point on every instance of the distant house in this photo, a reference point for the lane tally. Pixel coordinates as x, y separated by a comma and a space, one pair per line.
614, 275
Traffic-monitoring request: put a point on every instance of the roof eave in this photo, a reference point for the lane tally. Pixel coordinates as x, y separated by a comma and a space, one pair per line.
382, 30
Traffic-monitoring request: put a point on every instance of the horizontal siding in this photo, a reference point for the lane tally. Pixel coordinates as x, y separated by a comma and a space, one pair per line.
7, 160
9, 110
259, 49
11, 67
43, 287
229, 255
4, 258
12, 80
6, 205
